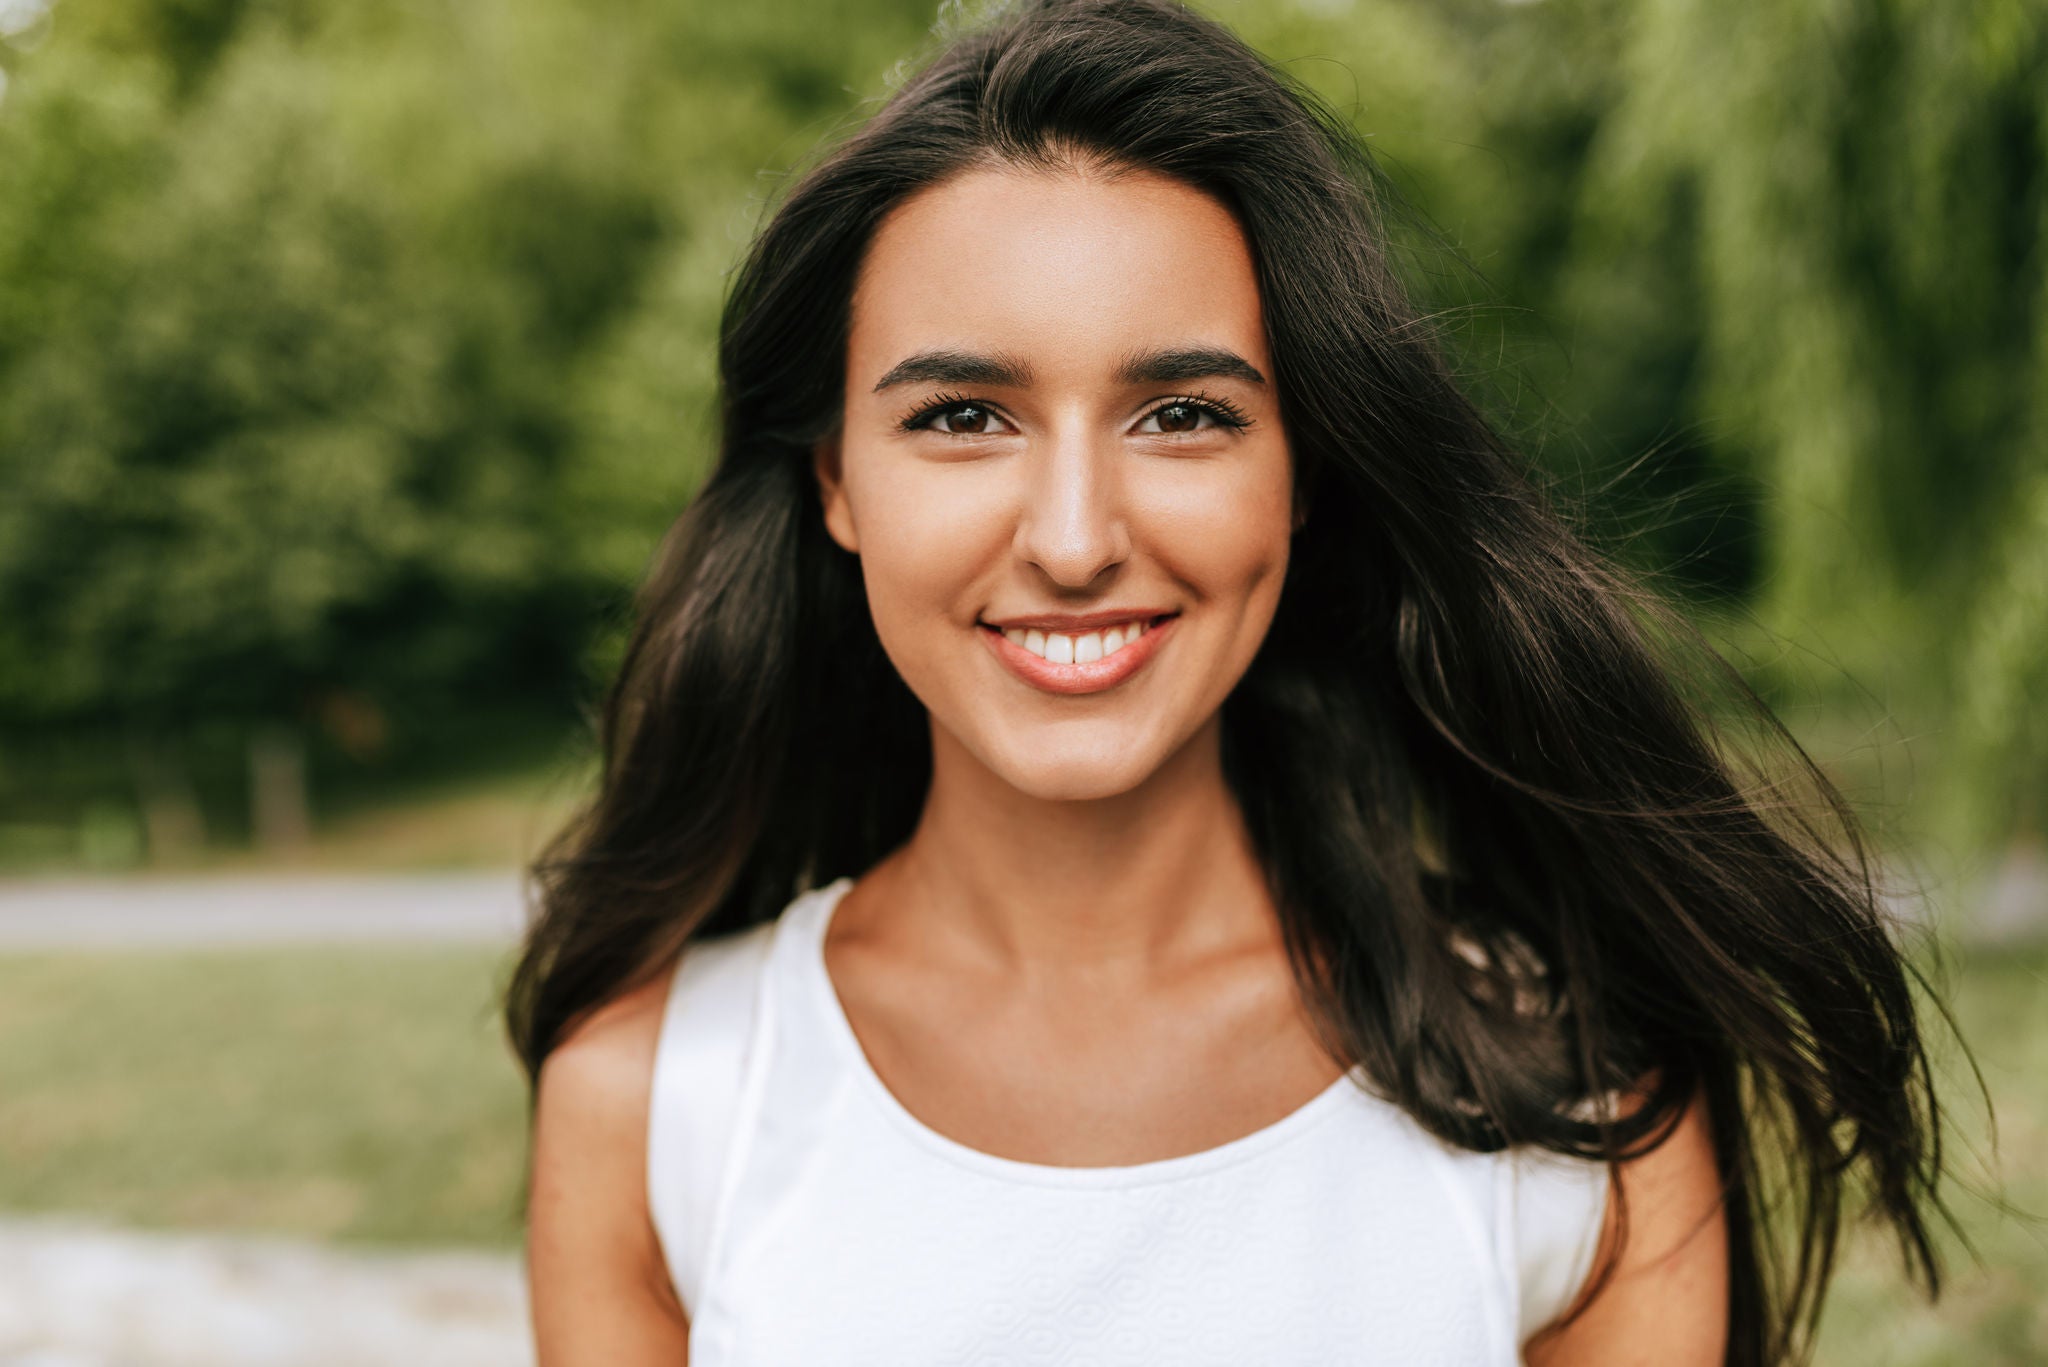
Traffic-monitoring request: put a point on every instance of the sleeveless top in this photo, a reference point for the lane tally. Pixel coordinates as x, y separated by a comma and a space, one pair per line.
807, 1217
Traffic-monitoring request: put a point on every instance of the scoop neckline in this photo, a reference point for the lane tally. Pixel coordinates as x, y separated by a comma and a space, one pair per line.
1176, 1168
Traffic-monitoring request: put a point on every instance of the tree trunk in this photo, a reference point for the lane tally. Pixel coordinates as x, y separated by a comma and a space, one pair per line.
278, 808
173, 826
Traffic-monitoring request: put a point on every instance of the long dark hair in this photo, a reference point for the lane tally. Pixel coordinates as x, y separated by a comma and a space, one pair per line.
1518, 867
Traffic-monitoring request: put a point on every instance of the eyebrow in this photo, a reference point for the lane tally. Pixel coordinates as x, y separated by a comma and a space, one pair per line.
1168, 365
957, 367
1171, 365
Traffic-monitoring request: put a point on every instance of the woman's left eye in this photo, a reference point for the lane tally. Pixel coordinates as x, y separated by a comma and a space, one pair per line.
1180, 417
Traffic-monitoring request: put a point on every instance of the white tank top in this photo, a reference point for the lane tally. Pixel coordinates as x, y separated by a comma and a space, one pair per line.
808, 1218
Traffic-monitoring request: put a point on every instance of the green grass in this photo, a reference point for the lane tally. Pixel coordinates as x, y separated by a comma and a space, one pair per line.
365, 1095
1992, 1313
352, 1094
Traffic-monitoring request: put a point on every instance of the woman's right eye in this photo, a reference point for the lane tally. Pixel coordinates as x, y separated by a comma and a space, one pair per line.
962, 419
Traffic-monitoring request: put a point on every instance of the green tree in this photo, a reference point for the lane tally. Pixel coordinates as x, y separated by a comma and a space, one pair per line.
1785, 262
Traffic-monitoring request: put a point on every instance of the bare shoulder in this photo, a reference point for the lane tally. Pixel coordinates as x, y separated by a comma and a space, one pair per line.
604, 1066
600, 1288
1667, 1297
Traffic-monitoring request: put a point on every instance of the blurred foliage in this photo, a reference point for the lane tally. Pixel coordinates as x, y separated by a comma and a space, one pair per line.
353, 358
1776, 274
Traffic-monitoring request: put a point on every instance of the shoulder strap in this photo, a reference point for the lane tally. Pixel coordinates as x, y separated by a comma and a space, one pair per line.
1559, 1205
709, 1034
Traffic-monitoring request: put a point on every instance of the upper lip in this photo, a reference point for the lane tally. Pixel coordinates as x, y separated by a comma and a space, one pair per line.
1075, 621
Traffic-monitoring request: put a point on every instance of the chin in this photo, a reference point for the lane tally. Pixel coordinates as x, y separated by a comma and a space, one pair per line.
1074, 783
1075, 772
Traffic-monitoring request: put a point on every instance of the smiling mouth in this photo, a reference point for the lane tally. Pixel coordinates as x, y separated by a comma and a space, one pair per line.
1079, 661
1080, 647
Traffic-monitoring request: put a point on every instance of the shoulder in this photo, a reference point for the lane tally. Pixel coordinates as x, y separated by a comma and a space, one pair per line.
591, 1097
603, 1066
588, 1202
597, 1282
601, 1089
612, 1241
1668, 1279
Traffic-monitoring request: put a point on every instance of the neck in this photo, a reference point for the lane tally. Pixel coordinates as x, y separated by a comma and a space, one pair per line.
1159, 872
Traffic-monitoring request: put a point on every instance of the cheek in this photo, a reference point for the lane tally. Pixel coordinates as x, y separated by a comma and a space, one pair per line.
925, 536
1225, 530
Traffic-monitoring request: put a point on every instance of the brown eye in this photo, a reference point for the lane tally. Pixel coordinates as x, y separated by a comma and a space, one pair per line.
958, 418
967, 419
1184, 418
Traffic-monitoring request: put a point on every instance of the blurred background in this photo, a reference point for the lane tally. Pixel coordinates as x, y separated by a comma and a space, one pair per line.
354, 357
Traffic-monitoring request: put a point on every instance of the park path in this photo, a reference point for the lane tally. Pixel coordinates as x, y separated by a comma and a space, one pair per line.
2005, 904
231, 911
79, 1294
76, 1293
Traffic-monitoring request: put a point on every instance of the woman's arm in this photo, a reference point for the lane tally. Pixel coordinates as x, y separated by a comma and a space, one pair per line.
1667, 1302
601, 1293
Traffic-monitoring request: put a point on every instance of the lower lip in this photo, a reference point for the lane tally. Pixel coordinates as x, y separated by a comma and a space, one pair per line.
1093, 677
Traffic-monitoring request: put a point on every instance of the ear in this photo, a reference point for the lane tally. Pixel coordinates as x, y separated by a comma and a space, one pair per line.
832, 493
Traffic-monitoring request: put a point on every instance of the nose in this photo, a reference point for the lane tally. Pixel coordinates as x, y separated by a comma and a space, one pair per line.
1072, 525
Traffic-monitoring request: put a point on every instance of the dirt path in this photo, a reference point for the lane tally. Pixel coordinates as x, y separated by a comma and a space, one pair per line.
2005, 904
249, 909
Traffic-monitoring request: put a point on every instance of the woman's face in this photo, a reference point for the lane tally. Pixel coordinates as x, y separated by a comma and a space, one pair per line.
1060, 420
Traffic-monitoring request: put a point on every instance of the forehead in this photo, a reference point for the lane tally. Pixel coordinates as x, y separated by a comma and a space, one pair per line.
1075, 268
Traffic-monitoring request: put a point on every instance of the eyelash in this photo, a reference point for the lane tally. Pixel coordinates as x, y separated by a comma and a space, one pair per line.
1225, 413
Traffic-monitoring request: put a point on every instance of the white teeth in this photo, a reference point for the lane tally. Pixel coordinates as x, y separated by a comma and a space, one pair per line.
1087, 648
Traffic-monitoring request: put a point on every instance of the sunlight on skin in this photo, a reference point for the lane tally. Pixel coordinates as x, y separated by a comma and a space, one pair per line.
1064, 493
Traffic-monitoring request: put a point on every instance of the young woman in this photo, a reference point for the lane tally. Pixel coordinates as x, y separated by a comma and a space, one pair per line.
1131, 833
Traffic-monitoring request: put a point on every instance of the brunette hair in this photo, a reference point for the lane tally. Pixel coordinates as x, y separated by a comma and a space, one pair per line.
1520, 868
